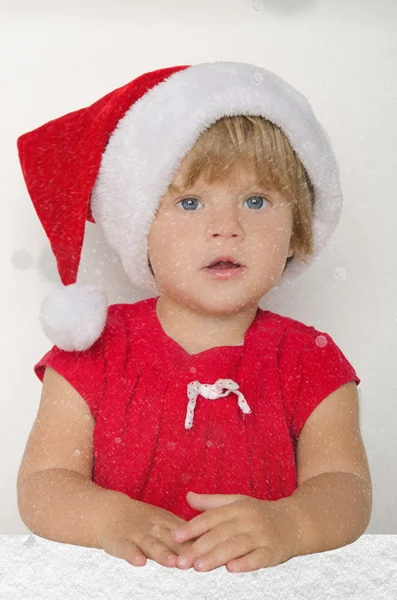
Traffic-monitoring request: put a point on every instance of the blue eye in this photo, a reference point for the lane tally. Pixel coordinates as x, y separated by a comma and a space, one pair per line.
190, 199
260, 198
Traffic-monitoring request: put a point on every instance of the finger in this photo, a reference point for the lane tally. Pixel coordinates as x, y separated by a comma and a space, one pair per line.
208, 542
201, 524
234, 547
164, 534
176, 548
172, 524
257, 559
125, 549
157, 550
180, 520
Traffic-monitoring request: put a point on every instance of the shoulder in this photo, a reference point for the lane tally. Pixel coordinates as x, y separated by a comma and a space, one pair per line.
292, 334
127, 326
126, 314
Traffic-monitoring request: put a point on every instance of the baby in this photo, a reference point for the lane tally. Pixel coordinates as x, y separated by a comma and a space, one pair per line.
214, 183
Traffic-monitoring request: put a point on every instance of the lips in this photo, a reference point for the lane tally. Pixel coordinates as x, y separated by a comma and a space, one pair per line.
224, 262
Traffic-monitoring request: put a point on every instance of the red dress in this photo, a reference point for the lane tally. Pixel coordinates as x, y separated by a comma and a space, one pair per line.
223, 421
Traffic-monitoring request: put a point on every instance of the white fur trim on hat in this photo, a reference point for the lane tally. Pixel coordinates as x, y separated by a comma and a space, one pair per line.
149, 142
74, 316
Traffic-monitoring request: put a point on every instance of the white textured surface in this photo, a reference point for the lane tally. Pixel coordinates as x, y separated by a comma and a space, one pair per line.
34, 567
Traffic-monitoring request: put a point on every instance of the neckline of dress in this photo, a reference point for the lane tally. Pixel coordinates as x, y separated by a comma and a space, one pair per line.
170, 341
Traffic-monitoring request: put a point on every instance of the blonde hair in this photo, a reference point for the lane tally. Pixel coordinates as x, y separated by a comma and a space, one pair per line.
262, 145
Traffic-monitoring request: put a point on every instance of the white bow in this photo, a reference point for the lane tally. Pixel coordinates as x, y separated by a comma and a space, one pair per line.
211, 392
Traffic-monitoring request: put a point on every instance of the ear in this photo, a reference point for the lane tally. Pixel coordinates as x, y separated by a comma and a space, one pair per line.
291, 250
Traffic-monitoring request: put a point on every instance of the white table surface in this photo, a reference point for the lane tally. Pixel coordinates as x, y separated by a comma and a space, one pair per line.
32, 567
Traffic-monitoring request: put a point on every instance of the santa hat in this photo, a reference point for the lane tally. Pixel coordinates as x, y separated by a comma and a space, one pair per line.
111, 162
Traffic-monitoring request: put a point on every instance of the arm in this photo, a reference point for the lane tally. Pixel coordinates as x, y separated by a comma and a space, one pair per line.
57, 498
332, 504
328, 511
65, 506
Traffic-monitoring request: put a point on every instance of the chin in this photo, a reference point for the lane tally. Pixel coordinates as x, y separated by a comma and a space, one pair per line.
220, 305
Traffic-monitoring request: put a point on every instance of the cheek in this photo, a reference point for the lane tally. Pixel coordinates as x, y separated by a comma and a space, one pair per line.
277, 234
167, 241
269, 249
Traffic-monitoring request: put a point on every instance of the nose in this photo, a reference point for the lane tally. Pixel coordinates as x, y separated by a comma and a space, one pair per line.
225, 221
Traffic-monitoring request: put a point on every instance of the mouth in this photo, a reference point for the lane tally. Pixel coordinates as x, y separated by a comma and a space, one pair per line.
224, 263
228, 272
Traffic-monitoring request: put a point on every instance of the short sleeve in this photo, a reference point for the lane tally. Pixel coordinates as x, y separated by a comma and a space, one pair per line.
323, 368
84, 370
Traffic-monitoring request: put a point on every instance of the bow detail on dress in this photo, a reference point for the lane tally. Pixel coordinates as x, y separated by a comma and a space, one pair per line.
212, 392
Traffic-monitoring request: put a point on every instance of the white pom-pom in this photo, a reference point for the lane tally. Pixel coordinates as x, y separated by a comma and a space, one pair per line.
74, 316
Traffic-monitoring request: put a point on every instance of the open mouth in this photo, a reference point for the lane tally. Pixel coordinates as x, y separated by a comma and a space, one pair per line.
224, 270
224, 265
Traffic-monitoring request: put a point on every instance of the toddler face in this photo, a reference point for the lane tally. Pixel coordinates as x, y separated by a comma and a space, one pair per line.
234, 217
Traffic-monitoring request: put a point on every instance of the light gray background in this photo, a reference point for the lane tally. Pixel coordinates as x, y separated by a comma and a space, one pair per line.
342, 55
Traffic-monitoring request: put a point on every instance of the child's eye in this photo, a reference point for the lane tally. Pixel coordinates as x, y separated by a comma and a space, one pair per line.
256, 203
190, 199
261, 198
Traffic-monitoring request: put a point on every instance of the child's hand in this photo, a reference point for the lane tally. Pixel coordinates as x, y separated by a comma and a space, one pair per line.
258, 531
136, 531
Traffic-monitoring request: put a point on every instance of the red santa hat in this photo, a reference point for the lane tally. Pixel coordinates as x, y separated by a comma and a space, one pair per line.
111, 162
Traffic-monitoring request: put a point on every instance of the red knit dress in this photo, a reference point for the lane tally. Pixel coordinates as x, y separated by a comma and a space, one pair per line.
223, 421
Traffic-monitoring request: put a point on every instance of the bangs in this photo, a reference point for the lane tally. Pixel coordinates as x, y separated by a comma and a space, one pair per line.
252, 142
